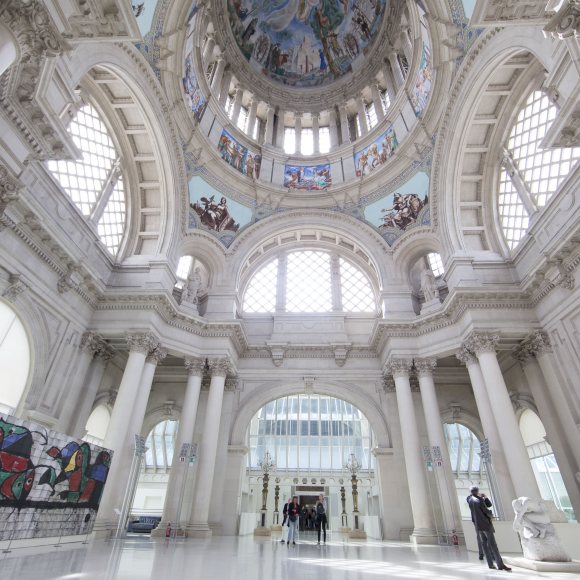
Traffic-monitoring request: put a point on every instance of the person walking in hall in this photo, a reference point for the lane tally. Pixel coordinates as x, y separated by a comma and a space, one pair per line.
488, 504
481, 516
285, 520
321, 519
293, 517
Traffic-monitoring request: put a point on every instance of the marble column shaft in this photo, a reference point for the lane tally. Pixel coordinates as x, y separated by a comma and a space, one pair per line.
445, 478
523, 478
362, 116
216, 82
225, 87
344, 125
184, 435
491, 431
298, 133
269, 133
378, 102
237, 104
208, 448
416, 477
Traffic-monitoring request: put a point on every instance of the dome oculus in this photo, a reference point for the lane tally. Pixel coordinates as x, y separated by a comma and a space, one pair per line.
304, 43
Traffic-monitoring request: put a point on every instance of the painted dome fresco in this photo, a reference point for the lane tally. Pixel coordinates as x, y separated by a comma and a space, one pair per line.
305, 43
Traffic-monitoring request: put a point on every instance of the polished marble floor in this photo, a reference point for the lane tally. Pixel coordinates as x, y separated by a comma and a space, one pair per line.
228, 558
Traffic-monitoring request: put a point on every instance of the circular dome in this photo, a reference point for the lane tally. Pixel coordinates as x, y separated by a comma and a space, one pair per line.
305, 43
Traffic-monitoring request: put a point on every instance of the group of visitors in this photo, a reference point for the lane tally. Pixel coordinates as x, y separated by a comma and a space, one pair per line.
293, 514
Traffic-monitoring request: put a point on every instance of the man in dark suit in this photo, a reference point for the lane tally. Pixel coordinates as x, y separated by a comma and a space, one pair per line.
488, 504
481, 517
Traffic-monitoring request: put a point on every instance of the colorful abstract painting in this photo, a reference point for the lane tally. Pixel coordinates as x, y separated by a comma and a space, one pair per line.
422, 89
50, 484
305, 43
215, 211
308, 177
376, 154
195, 97
238, 156
401, 209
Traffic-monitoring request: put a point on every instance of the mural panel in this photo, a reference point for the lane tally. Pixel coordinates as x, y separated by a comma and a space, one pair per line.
308, 178
50, 484
215, 211
376, 154
238, 156
305, 43
401, 209
195, 97
422, 89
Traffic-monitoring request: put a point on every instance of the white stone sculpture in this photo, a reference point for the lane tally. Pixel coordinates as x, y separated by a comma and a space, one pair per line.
537, 534
429, 285
192, 288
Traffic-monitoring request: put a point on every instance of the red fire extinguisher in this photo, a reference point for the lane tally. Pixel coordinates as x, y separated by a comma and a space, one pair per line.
168, 530
454, 539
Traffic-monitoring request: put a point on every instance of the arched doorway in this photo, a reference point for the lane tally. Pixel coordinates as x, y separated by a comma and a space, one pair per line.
310, 438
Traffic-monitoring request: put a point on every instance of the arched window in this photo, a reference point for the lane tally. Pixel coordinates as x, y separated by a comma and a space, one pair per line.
14, 359
544, 463
97, 425
95, 182
530, 175
310, 432
310, 281
161, 444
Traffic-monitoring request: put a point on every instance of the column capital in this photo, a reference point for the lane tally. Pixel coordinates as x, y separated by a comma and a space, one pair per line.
91, 342
105, 352
399, 367
195, 366
388, 383
425, 366
522, 353
156, 355
479, 342
538, 343
220, 367
142, 342
465, 357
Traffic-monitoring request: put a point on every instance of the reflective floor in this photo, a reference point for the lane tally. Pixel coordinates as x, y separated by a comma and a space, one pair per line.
228, 558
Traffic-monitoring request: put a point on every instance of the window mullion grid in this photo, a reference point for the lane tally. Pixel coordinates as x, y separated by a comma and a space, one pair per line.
110, 183
281, 282
335, 283
519, 183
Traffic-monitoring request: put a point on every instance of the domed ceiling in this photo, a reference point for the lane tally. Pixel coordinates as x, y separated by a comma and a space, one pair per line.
305, 43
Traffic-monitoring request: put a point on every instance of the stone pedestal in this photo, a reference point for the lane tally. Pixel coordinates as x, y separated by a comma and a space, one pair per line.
431, 306
549, 567
357, 535
263, 531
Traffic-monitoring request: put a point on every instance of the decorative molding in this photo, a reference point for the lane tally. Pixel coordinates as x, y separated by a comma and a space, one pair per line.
566, 22
538, 342
388, 383
16, 287
220, 367
277, 350
478, 342
156, 355
233, 384
399, 367
465, 357
91, 342
105, 352
309, 382
341, 351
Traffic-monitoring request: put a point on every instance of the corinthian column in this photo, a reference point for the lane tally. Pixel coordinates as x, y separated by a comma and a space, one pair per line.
423, 532
118, 434
199, 527
499, 468
523, 478
445, 479
185, 431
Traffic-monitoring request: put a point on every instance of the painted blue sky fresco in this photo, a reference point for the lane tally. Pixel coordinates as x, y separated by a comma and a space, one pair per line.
146, 19
418, 184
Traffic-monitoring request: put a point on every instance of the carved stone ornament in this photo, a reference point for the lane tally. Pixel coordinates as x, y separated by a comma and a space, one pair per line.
399, 367
479, 343
341, 353
112, 397
91, 342
309, 384
156, 355
195, 366
566, 22
232, 384
538, 343
15, 288
465, 357
9, 188
68, 281
220, 367
106, 352
143, 342
388, 384
522, 353
455, 411
277, 351
425, 366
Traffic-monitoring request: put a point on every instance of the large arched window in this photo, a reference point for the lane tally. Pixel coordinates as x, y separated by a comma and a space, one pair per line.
95, 182
309, 281
530, 175
14, 359
160, 445
544, 463
97, 425
313, 433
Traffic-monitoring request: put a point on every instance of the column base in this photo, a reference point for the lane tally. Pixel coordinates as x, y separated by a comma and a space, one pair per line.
276, 528
260, 531
200, 530
344, 530
537, 566
420, 536
357, 535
